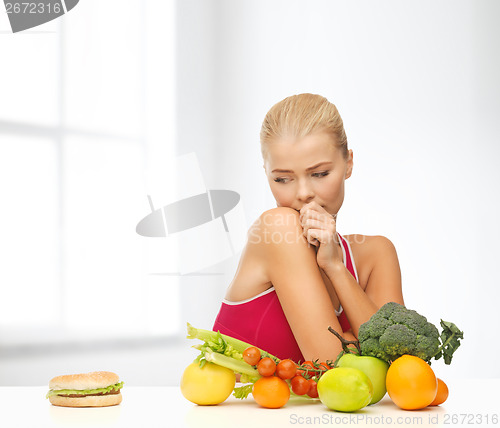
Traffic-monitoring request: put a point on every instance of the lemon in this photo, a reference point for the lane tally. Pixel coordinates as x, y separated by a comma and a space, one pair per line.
211, 384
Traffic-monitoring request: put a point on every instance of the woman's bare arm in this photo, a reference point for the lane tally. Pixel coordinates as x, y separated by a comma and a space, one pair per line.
384, 284
292, 268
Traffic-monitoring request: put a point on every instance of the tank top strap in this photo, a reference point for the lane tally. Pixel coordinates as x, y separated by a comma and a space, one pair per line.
348, 258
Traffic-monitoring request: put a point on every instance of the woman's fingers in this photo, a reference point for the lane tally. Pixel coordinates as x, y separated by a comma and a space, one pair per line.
311, 208
315, 236
313, 217
327, 223
316, 212
320, 229
317, 224
312, 223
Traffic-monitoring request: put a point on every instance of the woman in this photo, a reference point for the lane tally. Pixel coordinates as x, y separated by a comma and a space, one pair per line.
297, 275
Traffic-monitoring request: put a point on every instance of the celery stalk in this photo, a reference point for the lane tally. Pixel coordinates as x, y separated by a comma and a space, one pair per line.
231, 363
238, 345
208, 335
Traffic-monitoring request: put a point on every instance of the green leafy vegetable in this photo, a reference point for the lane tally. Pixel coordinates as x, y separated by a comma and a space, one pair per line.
450, 341
222, 343
115, 387
226, 351
242, 391
395, 330
235, 364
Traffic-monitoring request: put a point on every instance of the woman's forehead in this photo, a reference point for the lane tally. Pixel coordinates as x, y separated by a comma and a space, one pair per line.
309, 150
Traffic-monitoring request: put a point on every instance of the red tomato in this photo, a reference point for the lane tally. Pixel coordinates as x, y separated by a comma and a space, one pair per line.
266, 367
300, 385
308, 369
286, 369
313, 389
306, 365
324, 366
251, 355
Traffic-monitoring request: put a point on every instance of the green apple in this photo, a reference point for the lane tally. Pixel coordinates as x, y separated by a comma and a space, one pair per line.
373, 367
345, 389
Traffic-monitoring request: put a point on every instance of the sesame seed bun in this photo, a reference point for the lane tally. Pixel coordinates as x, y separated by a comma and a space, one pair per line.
92, 380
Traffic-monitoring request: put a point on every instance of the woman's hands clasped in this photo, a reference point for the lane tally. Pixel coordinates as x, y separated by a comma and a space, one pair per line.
320, 230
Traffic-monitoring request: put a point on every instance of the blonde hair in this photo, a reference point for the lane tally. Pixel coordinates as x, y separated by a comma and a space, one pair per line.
301, 115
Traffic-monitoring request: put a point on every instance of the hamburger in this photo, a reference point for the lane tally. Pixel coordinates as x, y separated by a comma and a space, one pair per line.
95, 389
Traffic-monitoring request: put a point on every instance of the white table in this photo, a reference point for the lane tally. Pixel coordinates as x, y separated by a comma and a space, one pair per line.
27, 407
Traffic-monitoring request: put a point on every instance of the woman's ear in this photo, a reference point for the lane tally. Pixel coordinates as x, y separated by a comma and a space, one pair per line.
349, 165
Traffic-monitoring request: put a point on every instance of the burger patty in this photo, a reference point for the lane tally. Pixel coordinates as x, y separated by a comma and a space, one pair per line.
112, 392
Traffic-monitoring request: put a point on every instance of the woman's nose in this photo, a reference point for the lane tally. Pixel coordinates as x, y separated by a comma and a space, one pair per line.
305, 192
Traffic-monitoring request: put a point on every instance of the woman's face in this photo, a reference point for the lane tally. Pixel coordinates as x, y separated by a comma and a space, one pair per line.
309, 169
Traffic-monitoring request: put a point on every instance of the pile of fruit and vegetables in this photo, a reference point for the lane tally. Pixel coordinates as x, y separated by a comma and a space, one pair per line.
392, 354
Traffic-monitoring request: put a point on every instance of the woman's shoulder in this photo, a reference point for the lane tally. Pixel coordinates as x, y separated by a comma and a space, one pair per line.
279, 219
252, 276
374, 241
367, 245
279, 216
367, 250
380, 272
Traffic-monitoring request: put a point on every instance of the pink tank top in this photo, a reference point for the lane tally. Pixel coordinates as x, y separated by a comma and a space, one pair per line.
245, 319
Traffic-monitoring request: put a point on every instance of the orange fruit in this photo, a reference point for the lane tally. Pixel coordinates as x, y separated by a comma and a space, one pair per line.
442, 394
271, 392
411, 383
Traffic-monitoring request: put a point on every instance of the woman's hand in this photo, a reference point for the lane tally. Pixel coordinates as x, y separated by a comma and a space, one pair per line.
320, 230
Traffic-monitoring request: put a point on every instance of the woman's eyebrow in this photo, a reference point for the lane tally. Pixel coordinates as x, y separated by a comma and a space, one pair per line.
308, 169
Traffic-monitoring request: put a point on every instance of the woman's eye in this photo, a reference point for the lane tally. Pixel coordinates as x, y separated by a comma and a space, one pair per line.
280, 180
321, 174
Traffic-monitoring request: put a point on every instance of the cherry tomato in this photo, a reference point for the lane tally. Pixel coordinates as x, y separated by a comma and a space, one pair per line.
266, 366
307, 370
251, 355
324, 366
300, 385
286, 369
306, 364
313, 389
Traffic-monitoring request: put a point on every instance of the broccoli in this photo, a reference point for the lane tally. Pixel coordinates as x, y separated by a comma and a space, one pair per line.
394, 331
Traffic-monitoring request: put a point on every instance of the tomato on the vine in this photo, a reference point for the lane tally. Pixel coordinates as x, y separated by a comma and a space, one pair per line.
266, 366
251, 355
324, 366
313, 389
300, 385
307, 369
286, 369
305, 364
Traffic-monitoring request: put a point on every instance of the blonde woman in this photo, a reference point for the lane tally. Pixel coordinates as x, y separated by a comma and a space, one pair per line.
297, 275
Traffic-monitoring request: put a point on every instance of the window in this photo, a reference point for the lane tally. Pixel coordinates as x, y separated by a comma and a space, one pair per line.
86, 109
